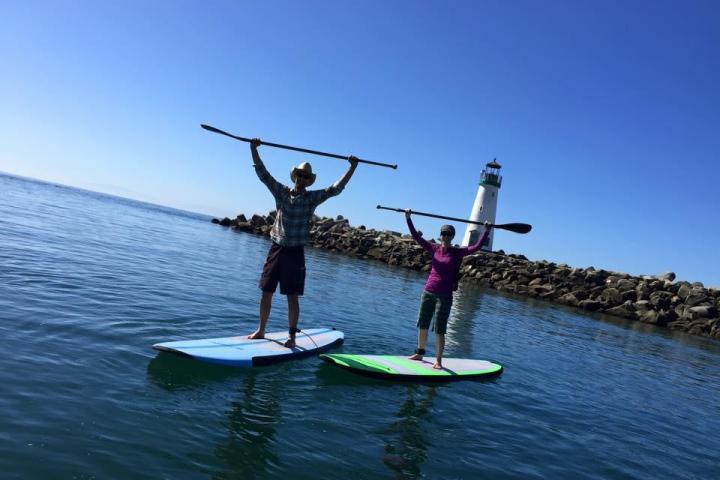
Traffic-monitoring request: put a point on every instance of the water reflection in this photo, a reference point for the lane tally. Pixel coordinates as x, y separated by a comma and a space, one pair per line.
248, 449
176, 373
406, 453
466, 303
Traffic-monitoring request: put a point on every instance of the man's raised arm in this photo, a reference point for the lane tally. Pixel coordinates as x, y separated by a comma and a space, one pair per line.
338, 186
273, 185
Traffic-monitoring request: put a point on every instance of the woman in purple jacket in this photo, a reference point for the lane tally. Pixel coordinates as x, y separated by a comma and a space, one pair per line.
437, 296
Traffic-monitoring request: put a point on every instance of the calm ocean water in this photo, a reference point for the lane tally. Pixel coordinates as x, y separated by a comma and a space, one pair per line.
89, 282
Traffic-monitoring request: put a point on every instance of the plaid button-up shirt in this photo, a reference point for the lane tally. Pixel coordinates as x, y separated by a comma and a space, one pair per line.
294, 212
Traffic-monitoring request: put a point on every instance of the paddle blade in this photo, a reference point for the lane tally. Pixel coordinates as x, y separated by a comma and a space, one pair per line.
515, 227
222, 132
212, 129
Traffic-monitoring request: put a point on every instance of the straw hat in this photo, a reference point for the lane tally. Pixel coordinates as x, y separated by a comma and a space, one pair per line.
306, 168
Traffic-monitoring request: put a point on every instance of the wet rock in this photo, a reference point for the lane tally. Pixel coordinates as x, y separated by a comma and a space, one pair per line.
581, 294
642, 305
540, 290
591, 305
243, 227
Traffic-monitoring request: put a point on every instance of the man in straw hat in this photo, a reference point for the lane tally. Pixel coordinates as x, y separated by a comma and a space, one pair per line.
285, 263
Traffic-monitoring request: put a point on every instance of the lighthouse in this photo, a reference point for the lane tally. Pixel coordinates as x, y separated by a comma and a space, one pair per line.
485, 206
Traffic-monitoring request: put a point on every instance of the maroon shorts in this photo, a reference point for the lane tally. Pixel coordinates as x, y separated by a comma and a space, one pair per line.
286, 266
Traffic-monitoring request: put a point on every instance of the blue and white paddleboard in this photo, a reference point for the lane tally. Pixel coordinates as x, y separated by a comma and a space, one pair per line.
243, 352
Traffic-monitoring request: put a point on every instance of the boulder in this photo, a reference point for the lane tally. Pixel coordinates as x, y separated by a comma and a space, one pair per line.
704, 311
612, 296
625, 310
258, 221
581, 294
669, 276
660, 299
591, 305
641, 305
629, 295
684, 290
696, 297
541, 290
624, 284
643, 291
243, 227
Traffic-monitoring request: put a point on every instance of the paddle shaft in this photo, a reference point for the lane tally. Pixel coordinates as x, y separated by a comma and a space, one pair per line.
512, 227
296, 149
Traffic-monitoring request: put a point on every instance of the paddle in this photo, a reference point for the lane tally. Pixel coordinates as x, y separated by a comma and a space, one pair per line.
512, 227
297, 149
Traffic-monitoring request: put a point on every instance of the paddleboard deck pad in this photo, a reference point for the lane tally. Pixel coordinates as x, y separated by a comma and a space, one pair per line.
242, 352
395, 367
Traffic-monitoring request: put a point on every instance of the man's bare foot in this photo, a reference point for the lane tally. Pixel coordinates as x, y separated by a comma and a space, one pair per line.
290, 343
416, 356
257, 335
437, 365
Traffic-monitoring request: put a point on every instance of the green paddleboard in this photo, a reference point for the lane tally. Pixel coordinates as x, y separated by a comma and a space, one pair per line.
396, 367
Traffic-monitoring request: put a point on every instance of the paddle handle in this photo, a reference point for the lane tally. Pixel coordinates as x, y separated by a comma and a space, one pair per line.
296, 149
512, 227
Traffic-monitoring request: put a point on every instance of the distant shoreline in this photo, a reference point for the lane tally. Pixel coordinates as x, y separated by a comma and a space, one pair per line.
658, 300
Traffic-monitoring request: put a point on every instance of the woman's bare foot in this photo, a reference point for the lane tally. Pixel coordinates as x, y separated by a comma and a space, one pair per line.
290, 343
415, 356
437, 365
257, 335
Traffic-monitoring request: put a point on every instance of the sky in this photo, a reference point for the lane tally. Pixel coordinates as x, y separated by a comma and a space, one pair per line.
605, 116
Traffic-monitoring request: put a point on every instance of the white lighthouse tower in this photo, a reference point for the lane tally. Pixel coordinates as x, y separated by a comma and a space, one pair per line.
485, 206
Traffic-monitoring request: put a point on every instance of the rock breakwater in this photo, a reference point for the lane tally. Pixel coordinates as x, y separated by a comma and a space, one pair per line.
658, 300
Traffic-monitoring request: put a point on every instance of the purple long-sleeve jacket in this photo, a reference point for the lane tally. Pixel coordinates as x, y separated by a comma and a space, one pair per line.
445, 262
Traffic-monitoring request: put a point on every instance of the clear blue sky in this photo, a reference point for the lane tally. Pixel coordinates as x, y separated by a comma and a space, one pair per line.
604, 115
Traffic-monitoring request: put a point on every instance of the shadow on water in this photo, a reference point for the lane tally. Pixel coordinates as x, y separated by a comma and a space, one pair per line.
329, 375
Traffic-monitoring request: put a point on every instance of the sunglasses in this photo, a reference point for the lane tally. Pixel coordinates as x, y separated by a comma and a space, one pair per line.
302, 174
446, 234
